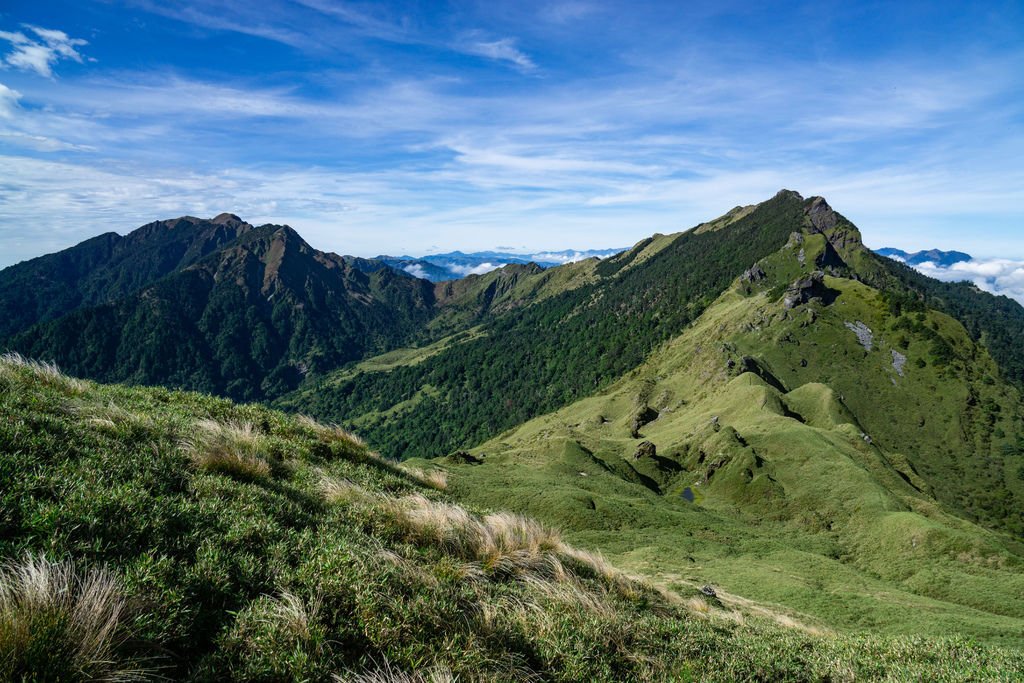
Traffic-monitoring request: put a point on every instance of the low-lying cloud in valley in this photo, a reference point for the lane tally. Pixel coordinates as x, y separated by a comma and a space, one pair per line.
995, 275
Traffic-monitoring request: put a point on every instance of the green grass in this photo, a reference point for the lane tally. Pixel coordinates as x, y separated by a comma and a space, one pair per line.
334, 562
794, 506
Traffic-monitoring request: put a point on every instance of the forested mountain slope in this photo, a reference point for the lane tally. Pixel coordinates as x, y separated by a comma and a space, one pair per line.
539, 357
247, 321
222, 306
107, 267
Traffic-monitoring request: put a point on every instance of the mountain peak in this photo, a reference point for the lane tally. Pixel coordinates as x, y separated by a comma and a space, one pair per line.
226, 219
821, 215
789, 193
937, 256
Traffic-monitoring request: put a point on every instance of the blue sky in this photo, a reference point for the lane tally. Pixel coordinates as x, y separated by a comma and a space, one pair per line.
422, 126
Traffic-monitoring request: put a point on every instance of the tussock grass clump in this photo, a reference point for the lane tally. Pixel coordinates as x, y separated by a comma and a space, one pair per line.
434, 479
278, 638
388, 674
354, 448
109, 415
45, 373
331, 433
503, 543
500, 543
58, 625
232, 448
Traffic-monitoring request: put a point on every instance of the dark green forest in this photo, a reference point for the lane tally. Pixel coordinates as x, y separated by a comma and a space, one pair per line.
247, 322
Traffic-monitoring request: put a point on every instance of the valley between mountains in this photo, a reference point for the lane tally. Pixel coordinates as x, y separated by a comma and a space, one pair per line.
753, 450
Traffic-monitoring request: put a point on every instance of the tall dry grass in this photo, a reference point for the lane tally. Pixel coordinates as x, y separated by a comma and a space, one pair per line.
501, 543
385, 673
46, 373
232, 448
109, 415
56, 624
356, 449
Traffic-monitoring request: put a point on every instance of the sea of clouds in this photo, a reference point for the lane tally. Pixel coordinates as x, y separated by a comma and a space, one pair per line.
995, 275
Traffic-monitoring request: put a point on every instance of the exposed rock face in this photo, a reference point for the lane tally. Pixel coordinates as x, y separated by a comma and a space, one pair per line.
754, 274
899, 361
804, 289
822, 219
865, 337
821, 215
644, 415
645, 450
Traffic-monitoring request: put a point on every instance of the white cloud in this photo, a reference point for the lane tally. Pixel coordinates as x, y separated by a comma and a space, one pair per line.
652, 145
416, 270
8, 101
40, 54
572, 256
474, 270
997, 275
504, 50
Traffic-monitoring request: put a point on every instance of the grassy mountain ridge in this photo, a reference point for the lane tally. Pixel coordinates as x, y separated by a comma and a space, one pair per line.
768, 447
219, 542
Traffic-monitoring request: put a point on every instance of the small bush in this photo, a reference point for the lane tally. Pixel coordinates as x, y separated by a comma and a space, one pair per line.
57, 625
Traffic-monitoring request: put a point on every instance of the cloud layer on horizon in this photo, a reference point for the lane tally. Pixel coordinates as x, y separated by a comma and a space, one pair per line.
995, 275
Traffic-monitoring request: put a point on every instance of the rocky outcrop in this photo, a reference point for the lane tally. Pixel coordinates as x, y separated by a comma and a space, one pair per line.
821, 215
822, 219
804, 290
865, 337
899, 361
643, 416
645, 450
754, 274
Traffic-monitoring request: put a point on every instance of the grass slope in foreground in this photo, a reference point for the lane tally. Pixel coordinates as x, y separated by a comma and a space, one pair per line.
152, 533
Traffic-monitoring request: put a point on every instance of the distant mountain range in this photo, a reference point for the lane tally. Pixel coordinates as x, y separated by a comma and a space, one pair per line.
456, 264
936, 256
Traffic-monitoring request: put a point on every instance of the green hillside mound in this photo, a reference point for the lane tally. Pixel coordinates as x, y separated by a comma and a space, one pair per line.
154, 534
802, 443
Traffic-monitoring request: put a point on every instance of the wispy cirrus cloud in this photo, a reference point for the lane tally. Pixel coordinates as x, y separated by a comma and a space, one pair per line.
8, 101
503, 50
41, 52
